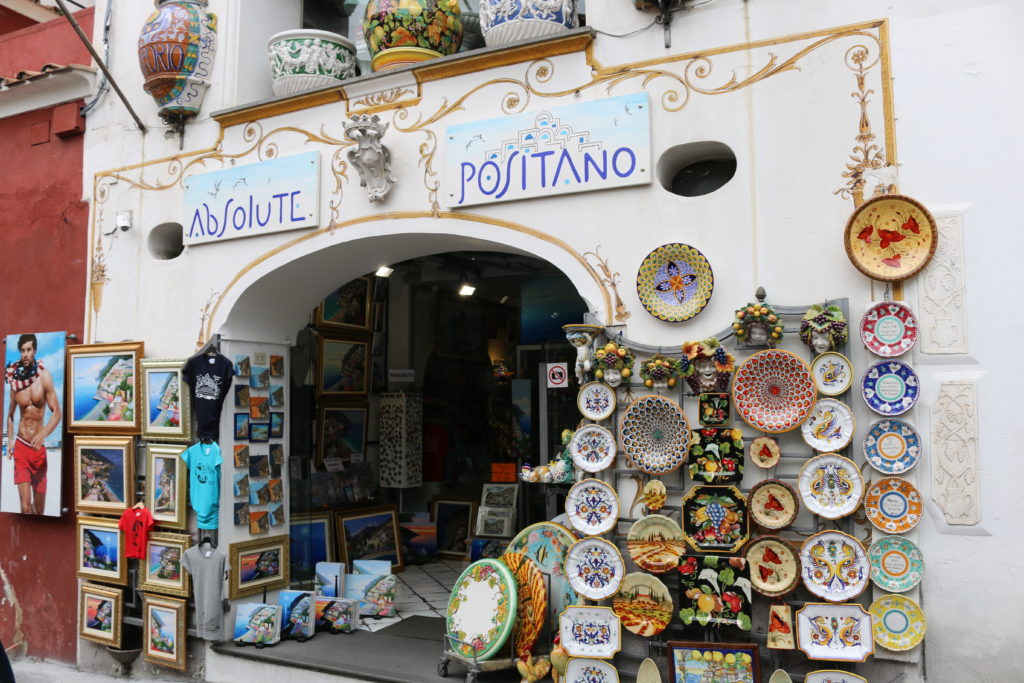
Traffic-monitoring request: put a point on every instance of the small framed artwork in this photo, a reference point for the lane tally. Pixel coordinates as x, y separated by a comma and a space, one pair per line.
259, 493
499, 495
259, 408
276, 425
163, 631
346, 308
369, 534
341, 433
165, 485
342, 367
277, 453
160, 569
167, 409
259, 432
454, 518
492, 522
259, 522
276, 488
241, 513
259, 358
242, 395
240, 484
241, 456
737, 662
100, 610
243, 365
277, 366
276, 514
259, 466
713, 409
311, 540
241, 426
260, 377
276, 395
102, 393
101, 550
104, 474
258, 565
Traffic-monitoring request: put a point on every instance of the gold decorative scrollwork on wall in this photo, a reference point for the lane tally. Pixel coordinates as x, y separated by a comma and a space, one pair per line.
867, 154
611, 281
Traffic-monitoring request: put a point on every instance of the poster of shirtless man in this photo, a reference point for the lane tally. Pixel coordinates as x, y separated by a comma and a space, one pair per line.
33, 387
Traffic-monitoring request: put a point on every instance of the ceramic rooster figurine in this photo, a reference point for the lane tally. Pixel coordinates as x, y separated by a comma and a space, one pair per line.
559, 660
532, 670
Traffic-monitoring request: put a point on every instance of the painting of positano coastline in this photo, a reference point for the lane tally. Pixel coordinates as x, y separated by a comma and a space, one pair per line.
104, 379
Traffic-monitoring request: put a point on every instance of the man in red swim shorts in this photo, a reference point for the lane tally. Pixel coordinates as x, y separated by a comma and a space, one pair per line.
32, 392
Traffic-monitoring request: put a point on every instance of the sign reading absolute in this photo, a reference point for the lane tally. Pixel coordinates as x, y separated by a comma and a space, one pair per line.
574, 148
252, 200
558, 375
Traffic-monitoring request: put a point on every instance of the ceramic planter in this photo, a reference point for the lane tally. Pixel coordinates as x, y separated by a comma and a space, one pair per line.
306, 59
402, 32
509, 21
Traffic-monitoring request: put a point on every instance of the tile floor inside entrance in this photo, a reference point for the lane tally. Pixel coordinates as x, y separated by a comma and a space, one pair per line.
422, 590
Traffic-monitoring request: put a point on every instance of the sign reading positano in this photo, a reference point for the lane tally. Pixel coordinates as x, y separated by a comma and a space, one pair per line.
252, 200
574, 148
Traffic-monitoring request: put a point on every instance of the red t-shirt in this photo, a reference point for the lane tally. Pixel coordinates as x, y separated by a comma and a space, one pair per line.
136, 523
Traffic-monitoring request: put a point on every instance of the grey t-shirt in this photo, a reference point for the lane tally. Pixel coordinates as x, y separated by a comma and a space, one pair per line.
209, 569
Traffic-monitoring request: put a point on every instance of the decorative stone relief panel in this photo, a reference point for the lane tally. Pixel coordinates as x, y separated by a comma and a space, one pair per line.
941, 291
955, 453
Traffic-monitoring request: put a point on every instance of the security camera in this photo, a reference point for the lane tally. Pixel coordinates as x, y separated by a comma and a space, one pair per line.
124, 221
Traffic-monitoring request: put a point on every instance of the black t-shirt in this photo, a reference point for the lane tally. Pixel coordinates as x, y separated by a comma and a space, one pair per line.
210, 380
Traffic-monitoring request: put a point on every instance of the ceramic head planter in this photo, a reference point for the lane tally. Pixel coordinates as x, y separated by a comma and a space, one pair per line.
706, 366
659, 372
614, 363
370, 157
823, 328
757, 324
580, 336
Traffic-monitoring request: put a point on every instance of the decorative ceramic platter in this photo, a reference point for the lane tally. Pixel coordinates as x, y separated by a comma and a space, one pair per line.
716, 456
532, 608
831, 486
713, 409
840, 633
773, 504
674, 282
655, 494
890, 387
592, 507
715, 519
643, 604
890, 237
590, 631
889, 329
773, 391
655, 434
648, 672
829, 427
897, 565
595, 568
893, 505
833, 676
774, 566
764, 452
586, 670
899, 623
655, 543
715, 590
781, 632
592, 448
482, 608
892, 446
832, 372
834, 566
596, 401
547, 544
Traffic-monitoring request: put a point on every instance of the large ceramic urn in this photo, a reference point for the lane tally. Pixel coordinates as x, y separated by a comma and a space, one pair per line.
510, 21
401, 32
176, 51
306, 59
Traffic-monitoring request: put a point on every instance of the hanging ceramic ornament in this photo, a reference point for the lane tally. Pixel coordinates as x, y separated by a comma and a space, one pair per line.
590, 631
773, 504
774, 566
589, 670
655, 543
715, 519
596, 401
714, 591
840, 633
899, 622
833, 676
834, 566
780, 676
823, 328
595, 568
532, 604
833, 373
829, 427
780, 627
892, 446
613, 363
890, 238
764, 452
707, 367
592, 507
661, 372
897, 564
717, 456
655, 434
655, 494
648, 672
592, 448
757, 324
889, 329
714, 409
773, 391
893, 505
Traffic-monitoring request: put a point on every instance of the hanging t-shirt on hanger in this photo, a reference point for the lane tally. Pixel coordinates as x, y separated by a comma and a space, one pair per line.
135, 523
210, 380
203, 461
209, 569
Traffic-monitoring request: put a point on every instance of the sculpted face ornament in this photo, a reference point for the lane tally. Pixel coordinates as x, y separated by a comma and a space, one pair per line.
706, 366
370, 157
757, 323
823, 328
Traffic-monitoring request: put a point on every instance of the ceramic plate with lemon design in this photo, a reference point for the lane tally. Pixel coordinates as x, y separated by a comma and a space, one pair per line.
675, 282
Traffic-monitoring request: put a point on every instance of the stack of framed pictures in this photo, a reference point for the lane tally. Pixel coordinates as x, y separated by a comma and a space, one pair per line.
497, 515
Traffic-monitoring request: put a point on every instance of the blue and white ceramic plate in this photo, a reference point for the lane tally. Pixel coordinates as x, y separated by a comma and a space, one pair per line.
592, 448
590, 631
592, 507
586, 670
890, 387
892, 446
596, 401
595, 568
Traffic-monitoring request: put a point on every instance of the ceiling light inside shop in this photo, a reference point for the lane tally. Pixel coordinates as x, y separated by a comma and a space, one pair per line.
466, 289
384, 271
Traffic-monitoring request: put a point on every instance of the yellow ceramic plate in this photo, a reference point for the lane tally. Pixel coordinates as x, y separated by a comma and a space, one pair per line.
773, 504
674, 282
890, 237
774, 566
897, 622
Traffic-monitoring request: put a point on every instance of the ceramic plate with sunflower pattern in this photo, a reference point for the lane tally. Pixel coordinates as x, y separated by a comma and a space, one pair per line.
674, 282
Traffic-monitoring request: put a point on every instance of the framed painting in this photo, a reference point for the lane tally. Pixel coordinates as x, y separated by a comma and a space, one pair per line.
341, 433
160, 569
100, 610
258, 565
735, 662
369, 534
342, 367
102, 395
241, 426
311, 540
276, 425
494, 522
347, 307
167, 409
166, 480
104, 474
259, 432
454, 518
499, 495
163, 631
101, 550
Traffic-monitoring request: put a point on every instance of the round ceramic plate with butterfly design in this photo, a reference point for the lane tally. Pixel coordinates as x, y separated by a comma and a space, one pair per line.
898, 622
675, 282
890, 237
595, 568
592, 507
829, 427
773, 391
893, 505
774, 566
764, 452
592, 448
596, 401
655, 434
892, 446
832, 372
773, 504
889, 329
897, 564
831, 485
890, 387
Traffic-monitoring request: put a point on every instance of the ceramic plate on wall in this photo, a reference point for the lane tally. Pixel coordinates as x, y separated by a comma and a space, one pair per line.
655, 434
892, 446
833, 676
897, 565
547, 544
482, 608
773, 391
595, 568
655, 543
643, 604
531, 612
592, 448
840, 633
587, 670
893, 505
890, 237
655, 495
832, 372
596, 401
675, 282
764, 452
829, 427
889, 329
592, 507
780, 676
773, 504
715, 519
831, 485
590, 632
890, 387
834, 566
898, 622
774, 566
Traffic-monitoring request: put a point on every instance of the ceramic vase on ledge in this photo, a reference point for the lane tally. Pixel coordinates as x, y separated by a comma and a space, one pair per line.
510, 21
402, 32
306, 59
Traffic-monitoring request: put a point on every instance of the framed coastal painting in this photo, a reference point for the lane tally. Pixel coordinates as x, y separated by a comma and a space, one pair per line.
347, 307
341, 433
311, 540
734, 662
102, 396
166, 480
100, 550
454, 518
342, 367
258, 565
369, 534
163, 631
104, 474
160, 569
166, 402
100, 609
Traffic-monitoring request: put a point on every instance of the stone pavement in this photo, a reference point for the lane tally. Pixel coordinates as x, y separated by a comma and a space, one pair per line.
36, 671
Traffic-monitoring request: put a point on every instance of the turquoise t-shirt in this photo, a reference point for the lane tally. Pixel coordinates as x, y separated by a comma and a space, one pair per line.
203, 461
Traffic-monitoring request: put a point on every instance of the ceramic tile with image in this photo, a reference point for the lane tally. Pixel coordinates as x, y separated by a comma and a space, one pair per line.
257, 565
483, 548
369, 533
717, 456
160, 569
715, 519
167, 410
499, 495
243, 365
454, 518
311, 540
276, 514
259, 408
714, 409
298, 614
499, 526
242, 395
277, 453
260, 377
100, 610
276, 489
336, 615
241, 426
342, 367
259, 492
257, 624
166, 482
276, 470
259, 359
259, 432
259, 466
341, 433
104, 473
241, 514
276, 366
241, 455
734, 662
330, 579
259, 522
346, 308
240, 484
276, 395
276, 425
163, 631
102, 392
714, 591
